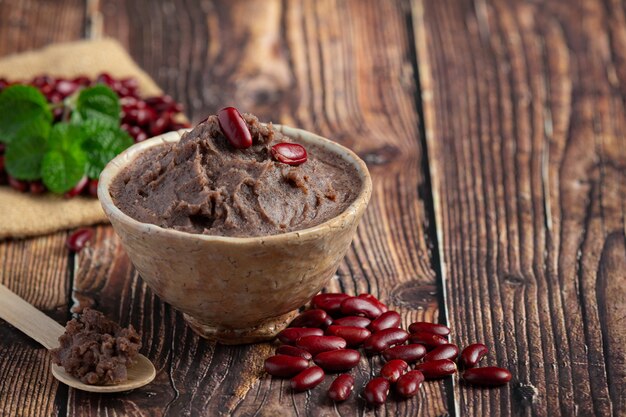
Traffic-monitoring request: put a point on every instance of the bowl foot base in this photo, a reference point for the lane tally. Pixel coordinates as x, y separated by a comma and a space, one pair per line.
264, 331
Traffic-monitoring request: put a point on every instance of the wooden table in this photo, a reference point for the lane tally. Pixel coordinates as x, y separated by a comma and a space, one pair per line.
495, 135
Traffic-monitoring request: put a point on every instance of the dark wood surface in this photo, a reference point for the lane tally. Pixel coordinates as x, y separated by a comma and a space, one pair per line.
494, 132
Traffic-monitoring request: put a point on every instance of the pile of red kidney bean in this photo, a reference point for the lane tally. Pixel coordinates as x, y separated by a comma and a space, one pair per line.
337, 325
141, 118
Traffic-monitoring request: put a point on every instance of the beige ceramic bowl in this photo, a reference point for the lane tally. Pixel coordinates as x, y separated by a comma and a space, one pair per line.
231, 289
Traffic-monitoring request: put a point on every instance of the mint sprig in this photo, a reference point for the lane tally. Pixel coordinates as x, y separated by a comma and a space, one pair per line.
63, 153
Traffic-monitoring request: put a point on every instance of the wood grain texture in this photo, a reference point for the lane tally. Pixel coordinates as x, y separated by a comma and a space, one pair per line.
36, 270
28, 24
316, 65
524, 111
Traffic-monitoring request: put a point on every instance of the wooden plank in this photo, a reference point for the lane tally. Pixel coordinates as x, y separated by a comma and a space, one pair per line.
28, 25
317, 65
524, 113
35, 269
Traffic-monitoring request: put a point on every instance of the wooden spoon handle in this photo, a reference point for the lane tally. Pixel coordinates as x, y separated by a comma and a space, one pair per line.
23, 315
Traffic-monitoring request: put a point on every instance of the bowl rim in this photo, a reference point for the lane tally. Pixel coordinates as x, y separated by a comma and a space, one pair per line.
356, 207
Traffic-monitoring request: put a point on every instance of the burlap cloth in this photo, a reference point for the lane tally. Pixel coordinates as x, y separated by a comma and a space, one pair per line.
23, 215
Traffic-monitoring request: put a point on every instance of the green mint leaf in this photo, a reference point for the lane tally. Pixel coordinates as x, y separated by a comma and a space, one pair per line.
61, 170
21, 108
66, 137
103, 143
23, 156
97, 103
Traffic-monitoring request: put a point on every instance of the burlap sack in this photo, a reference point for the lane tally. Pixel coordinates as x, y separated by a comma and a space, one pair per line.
23, 215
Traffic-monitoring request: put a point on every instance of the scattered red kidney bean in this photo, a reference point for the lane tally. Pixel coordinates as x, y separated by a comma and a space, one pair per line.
354, 336
289, 153
409, 384
387, 320
429, 340
234, 127
17, 185
338, 360
379, 333
93, 188
394, 369
376, 301
285, 366
408, 353
290, 335
354, 306
447, 351
293, 351
318, 344
77, 240
78, 188
341, 387
490, 376
310, 318
422, 326
329, 302
376, 391
384, 340
437, 369
472, 354
307, 379
352, 321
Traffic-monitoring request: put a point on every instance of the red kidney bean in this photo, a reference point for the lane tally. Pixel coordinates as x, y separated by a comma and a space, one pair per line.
36, 187
472, 354
376, 391
93, 188
490, 376
329, 302
352, 321
234, 127
422, 326
354, 306
387, 320
354, 336
293, 351
310, 318
2, 160
78, 188
447, 351
307, 379
408, 353
290, 335
18, 185
379, 304
289, 153
77, 240
409, 384
285, 366
341, 387
338, 360
394, 369
318, 344
384, 339
437, 369
429, 340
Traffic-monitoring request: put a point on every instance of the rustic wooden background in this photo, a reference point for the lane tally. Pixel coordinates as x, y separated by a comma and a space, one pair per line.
495, 134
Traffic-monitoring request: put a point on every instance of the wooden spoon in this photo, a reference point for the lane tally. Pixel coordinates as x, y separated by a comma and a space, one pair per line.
46, 331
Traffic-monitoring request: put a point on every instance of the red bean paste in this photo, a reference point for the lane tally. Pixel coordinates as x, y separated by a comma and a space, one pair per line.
202, 184
97, 350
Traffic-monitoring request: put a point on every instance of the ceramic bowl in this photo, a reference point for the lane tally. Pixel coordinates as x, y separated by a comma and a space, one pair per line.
233, 289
